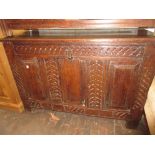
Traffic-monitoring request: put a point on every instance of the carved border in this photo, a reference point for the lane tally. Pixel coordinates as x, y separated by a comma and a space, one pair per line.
81, 50
144, 85
96, 94
53, 79
145, 81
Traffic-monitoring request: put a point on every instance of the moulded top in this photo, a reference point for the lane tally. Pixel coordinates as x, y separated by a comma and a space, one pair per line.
77, 23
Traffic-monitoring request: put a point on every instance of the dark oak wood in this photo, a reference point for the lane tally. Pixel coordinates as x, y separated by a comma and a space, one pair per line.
98, 76
59, 23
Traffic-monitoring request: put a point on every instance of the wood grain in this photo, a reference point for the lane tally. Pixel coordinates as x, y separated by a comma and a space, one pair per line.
59, 23
9, 96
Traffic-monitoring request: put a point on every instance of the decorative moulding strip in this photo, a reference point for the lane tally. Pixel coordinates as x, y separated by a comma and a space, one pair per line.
61, 23
116, 51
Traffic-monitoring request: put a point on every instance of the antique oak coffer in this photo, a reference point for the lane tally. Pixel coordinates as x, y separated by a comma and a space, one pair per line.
83, 66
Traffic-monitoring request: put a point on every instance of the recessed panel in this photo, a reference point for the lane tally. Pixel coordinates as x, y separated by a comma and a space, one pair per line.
123, 78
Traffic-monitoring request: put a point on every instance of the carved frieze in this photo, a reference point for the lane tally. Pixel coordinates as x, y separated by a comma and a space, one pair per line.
81, 50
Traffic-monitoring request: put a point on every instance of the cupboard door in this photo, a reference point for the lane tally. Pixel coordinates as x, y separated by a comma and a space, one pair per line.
32, 79
122, 81
30, 75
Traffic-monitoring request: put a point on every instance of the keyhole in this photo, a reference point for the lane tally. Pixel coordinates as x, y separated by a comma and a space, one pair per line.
83, 103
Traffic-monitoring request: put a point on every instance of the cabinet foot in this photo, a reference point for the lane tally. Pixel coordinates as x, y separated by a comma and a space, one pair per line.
132, 124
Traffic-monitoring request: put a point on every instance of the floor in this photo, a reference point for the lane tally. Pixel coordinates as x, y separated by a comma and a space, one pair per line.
41, 122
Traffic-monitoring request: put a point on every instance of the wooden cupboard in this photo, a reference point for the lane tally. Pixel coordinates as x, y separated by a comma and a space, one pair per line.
92, 74
99, 79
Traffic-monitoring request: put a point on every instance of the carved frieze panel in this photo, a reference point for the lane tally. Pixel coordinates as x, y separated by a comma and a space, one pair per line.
81, 50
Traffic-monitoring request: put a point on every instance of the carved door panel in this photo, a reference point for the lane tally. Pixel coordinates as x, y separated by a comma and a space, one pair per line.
122, 80
31, 78
52, 80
